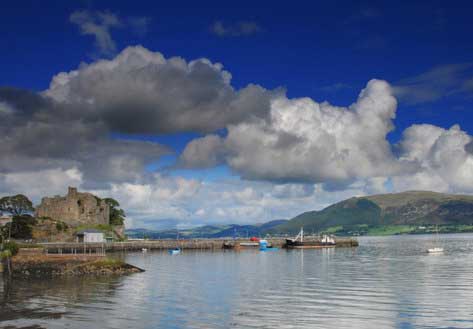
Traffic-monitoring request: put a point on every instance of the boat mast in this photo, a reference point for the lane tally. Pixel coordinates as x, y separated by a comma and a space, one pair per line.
300, 235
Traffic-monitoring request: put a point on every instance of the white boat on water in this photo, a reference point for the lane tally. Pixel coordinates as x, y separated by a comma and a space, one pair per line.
436, 250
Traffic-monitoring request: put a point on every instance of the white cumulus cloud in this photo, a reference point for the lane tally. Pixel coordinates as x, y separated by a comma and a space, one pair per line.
308, 141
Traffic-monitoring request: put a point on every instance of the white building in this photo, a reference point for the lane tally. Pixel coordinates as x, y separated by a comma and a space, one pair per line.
90, 236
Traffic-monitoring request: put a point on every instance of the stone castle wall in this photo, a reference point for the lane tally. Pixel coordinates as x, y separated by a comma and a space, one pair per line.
75, 209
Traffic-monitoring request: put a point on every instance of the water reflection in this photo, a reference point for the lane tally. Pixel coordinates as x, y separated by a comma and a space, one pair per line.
385, 283
39, 301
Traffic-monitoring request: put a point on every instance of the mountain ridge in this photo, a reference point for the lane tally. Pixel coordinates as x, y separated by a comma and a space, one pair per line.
404, 208
409, 208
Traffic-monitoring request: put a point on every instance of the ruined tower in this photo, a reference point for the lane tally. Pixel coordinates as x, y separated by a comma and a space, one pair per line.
76, 208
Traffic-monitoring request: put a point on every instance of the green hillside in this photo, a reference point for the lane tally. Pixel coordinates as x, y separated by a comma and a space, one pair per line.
386, 213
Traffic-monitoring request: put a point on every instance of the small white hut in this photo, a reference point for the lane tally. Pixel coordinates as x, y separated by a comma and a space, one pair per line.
90, 236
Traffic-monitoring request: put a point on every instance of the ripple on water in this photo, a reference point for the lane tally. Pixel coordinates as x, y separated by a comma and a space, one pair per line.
385, 283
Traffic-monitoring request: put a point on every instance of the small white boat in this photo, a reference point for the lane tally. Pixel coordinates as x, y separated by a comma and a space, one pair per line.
144, 250
436, 250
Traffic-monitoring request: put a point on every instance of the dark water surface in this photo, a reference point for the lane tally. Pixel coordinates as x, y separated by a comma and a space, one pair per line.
387, 282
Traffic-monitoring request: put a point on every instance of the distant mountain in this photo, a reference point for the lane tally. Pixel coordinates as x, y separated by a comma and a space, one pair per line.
269, 225
157, 225
208, 231
382, 214
407, 208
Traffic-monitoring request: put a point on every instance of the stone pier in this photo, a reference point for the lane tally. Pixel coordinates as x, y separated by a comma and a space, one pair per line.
191, 244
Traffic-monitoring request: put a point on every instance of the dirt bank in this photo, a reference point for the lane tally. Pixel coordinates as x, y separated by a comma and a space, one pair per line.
43, 265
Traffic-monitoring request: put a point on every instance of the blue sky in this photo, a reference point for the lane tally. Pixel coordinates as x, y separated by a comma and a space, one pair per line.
326, 51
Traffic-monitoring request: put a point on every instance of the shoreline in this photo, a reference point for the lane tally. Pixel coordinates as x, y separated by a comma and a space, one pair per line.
27, 265
47, 260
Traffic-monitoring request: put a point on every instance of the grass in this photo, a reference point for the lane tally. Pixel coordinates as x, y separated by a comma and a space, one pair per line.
101, 227
108, 262
5, 254
333, 229
456, 228
391, 230
385, 230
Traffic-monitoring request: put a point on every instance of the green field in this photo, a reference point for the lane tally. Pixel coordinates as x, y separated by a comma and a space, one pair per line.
385, 230
391, 230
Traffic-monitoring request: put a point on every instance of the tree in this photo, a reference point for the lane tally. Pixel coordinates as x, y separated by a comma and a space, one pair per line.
21, 227
117, 215
17, 205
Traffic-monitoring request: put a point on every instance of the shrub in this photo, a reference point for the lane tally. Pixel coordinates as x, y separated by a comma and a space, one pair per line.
5, 254
61, 226
12, 247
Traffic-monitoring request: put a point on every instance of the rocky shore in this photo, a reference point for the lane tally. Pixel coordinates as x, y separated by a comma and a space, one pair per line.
42, 265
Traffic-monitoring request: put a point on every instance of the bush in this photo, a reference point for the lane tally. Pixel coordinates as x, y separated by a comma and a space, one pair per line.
61, 226
5, 254
11, 247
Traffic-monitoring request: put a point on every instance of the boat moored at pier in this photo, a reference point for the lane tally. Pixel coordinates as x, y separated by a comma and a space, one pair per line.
174, 251
298, 242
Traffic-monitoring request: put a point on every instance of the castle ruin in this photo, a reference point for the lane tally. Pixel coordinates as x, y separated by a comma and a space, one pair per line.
76, 208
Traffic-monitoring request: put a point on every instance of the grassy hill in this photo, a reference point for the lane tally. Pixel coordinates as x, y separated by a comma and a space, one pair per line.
400, 210
383, 214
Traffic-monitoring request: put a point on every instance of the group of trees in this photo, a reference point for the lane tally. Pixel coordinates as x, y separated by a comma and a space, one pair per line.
17, 205
117, 215
21, 209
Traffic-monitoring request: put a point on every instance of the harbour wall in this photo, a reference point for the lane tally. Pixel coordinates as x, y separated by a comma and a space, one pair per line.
192, 244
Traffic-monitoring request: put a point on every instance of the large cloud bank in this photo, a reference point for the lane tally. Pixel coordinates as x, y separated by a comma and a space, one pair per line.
140, 91
291, 154
306, 141
70, 124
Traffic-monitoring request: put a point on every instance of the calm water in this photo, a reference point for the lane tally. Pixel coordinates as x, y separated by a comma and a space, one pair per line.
385, 283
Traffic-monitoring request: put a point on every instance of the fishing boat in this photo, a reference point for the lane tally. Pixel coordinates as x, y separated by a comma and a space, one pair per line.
436, 250
174, 251
298, 242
